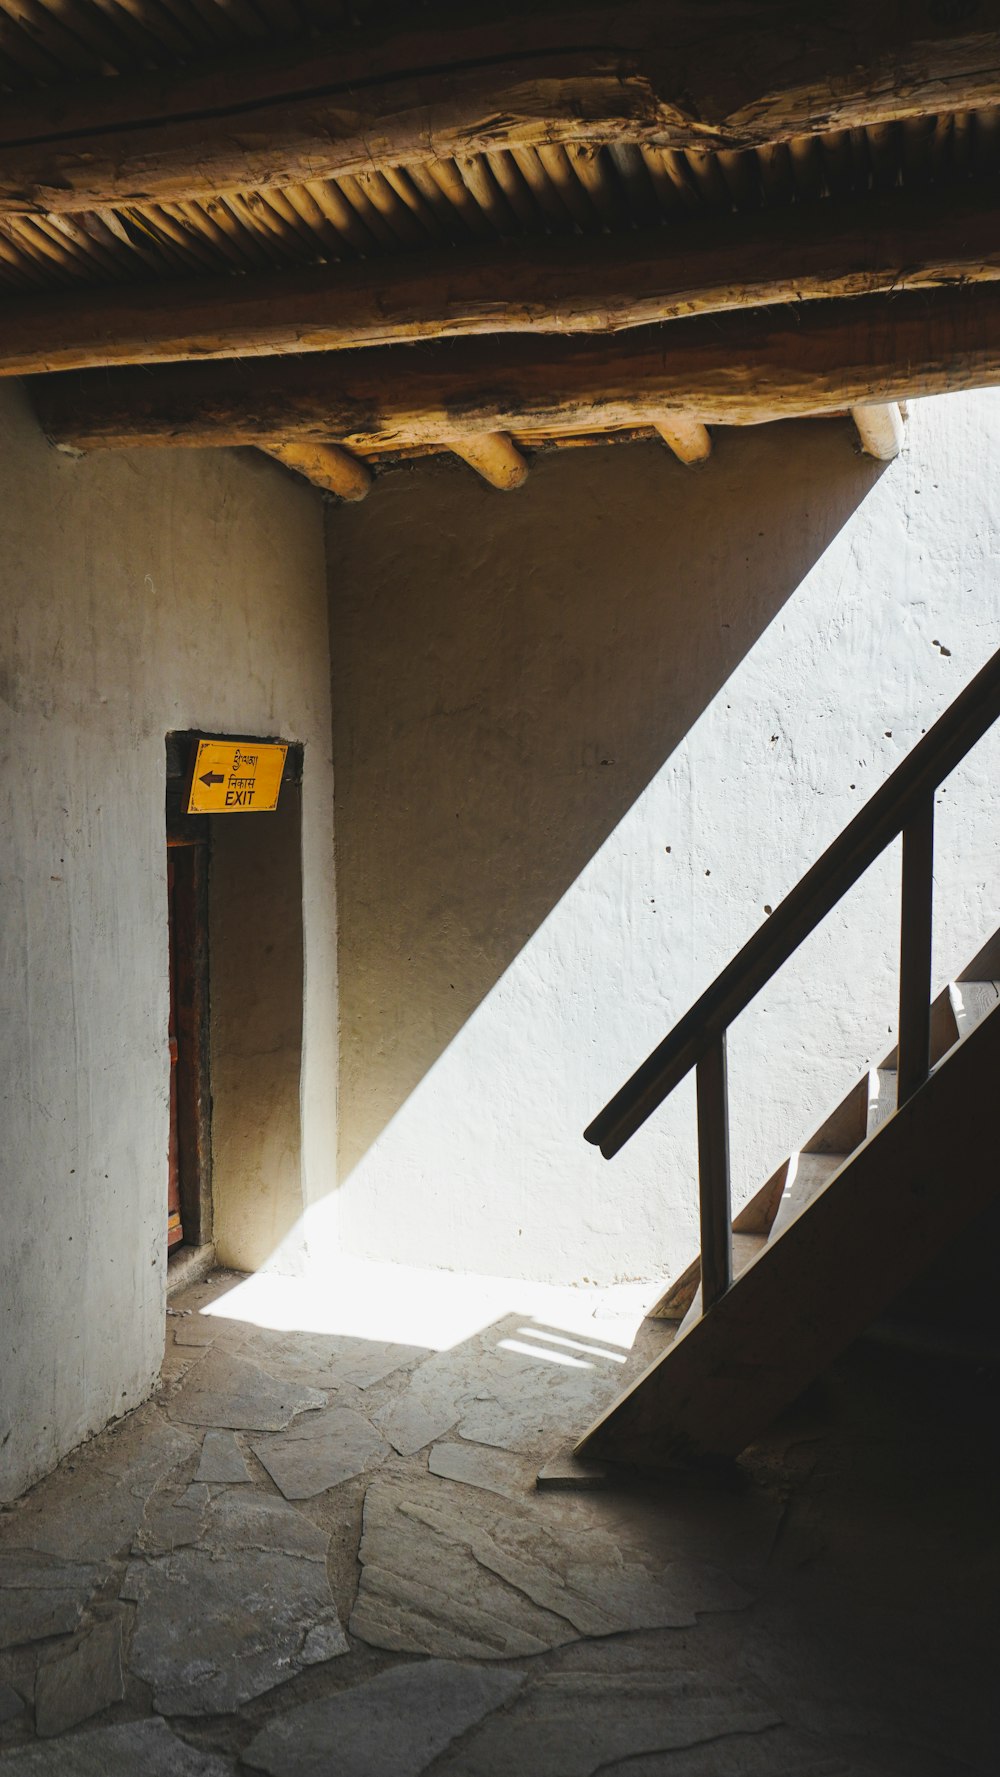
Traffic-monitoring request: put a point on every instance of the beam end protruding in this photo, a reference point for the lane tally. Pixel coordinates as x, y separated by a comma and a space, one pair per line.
689, 440
880, 429
328, 466
495, 457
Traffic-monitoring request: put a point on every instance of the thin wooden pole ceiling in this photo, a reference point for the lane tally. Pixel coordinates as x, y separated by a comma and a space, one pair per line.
295, 179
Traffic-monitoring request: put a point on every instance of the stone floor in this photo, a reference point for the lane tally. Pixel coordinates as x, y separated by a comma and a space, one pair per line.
319, 1552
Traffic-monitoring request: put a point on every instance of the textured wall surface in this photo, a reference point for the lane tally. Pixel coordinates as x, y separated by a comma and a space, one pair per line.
140, 593
586, 735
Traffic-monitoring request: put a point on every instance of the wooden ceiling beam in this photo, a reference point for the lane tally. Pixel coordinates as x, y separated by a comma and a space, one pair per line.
327, 466
888, 241
738, 369
689, 440
649, 72
880, 429
495, 457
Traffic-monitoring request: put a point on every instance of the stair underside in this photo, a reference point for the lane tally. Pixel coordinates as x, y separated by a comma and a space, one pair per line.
852, 1241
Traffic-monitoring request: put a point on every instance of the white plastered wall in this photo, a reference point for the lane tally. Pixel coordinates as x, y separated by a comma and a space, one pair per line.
140, 593
585, 735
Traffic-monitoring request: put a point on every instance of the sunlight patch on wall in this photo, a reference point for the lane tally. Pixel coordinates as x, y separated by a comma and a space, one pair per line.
484, 1165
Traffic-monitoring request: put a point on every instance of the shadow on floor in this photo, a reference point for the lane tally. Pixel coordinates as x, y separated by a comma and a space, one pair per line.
316, 1553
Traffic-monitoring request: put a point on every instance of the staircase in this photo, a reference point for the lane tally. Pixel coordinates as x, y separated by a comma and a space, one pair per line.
846, 1222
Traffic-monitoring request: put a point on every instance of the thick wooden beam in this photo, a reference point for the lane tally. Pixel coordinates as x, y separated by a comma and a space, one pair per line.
736, 369
763, 73
327, 467
889, 241
341, 133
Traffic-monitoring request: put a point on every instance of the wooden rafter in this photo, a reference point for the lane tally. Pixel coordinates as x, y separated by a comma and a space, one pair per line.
729, 369
883, 242
880, 429
327, 466
689, 440
495, 457
649, 73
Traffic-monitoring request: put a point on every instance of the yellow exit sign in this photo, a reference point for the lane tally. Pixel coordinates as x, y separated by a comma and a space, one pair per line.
236, 777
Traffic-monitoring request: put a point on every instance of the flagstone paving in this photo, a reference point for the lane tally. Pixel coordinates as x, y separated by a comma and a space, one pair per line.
324, 1555
81, 1680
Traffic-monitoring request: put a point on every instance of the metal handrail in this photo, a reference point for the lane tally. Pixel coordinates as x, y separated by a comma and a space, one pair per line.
904, 804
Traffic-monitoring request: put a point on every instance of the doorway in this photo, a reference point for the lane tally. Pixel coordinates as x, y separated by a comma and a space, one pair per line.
189, 1169
234, 884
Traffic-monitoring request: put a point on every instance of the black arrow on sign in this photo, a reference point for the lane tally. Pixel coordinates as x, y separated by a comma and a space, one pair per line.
210, 778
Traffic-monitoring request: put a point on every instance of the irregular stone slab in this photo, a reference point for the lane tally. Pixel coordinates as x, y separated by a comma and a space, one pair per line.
231, 1522
212, 1635
224, 1622
394, 1725
527, 1403
222, 1460
71, 1687
495, 1470
433, 1401
365, 1368
518, 1387
413, 1422
41, 1596
325, 1641
91, 1507
128, 1749
574, 1724
321, 1451
232, 1394
12, 1704
140, 1451
499, 1581
173, 1523
334, 1361
257, 1521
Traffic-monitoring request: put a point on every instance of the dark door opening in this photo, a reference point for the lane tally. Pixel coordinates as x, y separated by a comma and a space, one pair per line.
189, 1182
235, 1083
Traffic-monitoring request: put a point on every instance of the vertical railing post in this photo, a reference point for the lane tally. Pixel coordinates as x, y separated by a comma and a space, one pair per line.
915, 949
713, 1174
